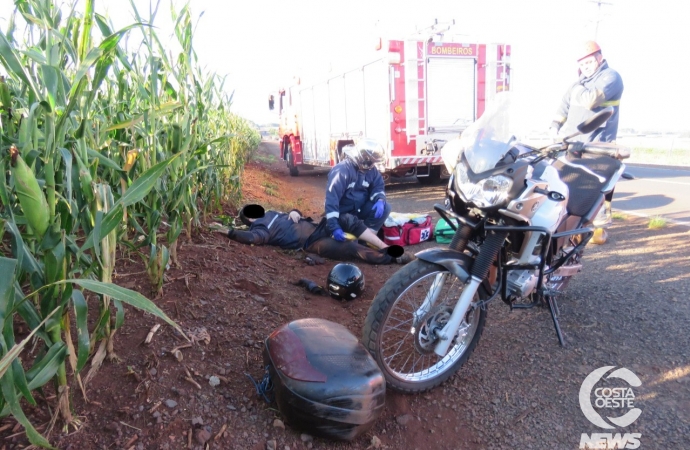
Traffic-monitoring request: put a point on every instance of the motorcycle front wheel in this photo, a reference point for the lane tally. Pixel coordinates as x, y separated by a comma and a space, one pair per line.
400, 328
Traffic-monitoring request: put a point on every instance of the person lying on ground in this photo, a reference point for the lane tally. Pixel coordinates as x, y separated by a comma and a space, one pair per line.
293, 231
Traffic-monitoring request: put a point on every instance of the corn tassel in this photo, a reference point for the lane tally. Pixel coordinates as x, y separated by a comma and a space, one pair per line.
30, 194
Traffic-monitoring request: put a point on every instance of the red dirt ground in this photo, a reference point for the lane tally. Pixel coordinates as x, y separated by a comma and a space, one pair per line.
239, 294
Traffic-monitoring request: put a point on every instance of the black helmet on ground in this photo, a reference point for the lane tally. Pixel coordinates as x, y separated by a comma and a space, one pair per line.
345, 281
251, 212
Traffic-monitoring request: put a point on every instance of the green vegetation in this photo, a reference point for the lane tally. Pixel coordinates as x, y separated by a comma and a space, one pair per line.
656, 222
616, 215
677, 157
100, 148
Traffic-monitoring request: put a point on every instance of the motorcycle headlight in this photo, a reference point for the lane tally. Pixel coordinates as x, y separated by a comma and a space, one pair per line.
491, 191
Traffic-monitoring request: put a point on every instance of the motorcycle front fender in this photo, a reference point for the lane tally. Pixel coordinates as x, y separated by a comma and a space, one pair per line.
457, 263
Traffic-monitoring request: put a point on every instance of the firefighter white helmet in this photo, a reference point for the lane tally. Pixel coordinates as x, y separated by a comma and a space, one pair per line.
365, 154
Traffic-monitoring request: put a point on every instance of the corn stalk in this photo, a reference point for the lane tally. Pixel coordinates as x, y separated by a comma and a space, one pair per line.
97, 143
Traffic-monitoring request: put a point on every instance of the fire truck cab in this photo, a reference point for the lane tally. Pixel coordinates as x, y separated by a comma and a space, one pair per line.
416, 95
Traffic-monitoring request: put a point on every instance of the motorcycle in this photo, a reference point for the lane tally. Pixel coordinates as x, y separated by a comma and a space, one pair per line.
522, 217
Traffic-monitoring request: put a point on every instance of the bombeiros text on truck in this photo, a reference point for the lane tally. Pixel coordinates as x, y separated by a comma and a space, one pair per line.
415, 95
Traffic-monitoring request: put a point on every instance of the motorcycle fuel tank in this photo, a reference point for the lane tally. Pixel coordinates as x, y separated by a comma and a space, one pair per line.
551, 212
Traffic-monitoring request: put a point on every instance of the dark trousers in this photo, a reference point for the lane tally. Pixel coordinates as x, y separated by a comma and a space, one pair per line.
366, 213
349, 250
321, 243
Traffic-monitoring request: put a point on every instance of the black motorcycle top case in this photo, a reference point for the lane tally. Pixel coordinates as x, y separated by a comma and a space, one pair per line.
325, 382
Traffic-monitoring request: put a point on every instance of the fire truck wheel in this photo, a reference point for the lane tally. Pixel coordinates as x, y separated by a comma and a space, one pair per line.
291, 162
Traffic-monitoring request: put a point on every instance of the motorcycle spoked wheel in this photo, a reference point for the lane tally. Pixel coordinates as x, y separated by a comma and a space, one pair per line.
391, 333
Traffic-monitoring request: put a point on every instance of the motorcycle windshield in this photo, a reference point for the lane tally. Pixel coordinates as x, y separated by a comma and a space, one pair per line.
488, 139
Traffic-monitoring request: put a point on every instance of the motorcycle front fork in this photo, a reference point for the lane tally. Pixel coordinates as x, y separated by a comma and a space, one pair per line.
449, 331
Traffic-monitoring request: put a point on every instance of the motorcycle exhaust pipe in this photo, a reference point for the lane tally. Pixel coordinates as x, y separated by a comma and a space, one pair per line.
449, 331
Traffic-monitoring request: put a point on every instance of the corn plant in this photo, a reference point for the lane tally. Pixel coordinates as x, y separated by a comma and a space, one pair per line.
100, 148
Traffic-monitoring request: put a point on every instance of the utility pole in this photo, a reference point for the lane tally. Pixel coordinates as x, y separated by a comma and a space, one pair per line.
599, 3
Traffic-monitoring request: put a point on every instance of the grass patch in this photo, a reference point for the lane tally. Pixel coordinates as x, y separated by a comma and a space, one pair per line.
271, 188
656, 223
618, 216
264, 158
675, 157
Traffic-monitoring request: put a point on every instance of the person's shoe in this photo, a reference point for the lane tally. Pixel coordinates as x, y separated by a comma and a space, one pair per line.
405, 258
600, 236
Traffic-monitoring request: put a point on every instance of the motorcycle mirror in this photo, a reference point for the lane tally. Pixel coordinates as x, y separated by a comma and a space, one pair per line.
595, 121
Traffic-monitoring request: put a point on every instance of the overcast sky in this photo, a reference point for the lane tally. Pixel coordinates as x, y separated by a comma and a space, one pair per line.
262, 44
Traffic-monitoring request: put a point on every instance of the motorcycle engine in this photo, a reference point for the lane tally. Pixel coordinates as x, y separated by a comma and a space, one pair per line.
521, 283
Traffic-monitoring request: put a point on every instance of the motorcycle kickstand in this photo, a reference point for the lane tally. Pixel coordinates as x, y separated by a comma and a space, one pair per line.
553, 307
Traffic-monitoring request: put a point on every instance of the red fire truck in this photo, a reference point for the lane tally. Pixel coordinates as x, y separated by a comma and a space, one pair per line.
417, 94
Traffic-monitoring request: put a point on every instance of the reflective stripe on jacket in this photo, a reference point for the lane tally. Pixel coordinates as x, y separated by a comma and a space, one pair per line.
587, 97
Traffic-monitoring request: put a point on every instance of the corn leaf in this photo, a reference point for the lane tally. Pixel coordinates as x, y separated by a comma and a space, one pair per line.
20, 380
50, 80
15, 66
28, 312
42, 371
7, 267
119, 314
126, 296
25, 259
106, 31
104, 160
7, 384
16, 349
125, 124
81, 312
67, 158
142, 185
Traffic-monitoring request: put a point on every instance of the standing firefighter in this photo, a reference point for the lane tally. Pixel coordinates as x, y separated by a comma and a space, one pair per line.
356, 187
598, 87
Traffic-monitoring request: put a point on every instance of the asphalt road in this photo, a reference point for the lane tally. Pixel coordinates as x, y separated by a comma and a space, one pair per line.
655, 191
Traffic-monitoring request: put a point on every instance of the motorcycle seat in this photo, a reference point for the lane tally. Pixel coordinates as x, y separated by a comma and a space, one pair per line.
584, 187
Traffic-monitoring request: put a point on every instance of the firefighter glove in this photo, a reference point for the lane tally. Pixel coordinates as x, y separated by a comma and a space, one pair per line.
339, 235
378, 208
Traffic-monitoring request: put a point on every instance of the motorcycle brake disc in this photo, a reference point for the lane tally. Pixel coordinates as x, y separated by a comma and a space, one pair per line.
425, 338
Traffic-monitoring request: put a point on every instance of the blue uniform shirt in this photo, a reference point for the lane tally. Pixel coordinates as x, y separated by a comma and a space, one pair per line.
349, 189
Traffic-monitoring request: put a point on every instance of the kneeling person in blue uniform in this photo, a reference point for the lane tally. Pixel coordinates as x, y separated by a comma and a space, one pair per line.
356, 187
292, 231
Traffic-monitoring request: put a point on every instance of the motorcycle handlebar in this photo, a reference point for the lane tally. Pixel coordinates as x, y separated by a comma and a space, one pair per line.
602, 149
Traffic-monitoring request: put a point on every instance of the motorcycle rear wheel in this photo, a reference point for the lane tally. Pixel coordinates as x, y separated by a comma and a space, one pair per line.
403, 347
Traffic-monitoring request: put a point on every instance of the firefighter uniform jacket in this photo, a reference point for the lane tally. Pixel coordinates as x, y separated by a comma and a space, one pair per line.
276, 228
587, 97
349, 189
